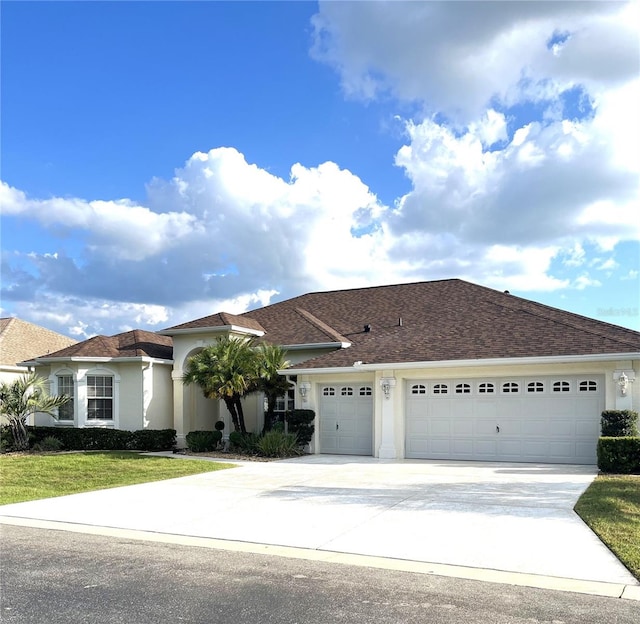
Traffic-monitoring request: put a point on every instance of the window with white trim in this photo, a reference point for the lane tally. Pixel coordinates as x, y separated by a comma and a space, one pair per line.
346, 391
440, 389
365, 391
66, 387
588, 386
418, 389
510, 387
463, 388
99, 397
486, 388
535, 386
561, 386
328, 391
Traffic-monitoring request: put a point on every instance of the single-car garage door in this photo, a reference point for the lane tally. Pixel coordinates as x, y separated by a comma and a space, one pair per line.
346, 419
532, 419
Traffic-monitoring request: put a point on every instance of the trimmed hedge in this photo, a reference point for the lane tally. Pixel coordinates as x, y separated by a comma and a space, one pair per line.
96, 439
619, 455
299, 422
619, 423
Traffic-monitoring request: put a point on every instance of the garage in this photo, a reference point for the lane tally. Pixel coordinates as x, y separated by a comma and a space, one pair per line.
346, 419
516, 419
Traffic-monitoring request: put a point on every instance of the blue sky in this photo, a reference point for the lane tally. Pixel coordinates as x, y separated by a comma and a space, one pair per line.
162, 161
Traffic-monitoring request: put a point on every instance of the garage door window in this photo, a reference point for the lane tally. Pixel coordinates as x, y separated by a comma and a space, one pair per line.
418, 389
328, 391
510, 387
535, 386
463, 388
365, 391
346, 391
588, 386
486, 388
561, 386
440, 389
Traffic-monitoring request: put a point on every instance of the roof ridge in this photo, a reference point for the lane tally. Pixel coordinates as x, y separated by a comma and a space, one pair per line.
566, 317
321, 325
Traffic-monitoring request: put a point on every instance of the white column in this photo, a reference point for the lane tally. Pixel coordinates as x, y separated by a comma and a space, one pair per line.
387, 449
178, 409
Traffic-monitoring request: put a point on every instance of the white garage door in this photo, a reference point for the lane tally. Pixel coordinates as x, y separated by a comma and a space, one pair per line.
346, 419
541, 419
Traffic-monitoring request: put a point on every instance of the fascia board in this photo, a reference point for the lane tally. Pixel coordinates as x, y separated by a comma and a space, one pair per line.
98, 360
317, 345
554, 359
219, 329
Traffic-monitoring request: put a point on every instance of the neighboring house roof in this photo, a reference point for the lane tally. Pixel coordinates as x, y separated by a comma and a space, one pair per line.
134, 343
432, 321
20, 341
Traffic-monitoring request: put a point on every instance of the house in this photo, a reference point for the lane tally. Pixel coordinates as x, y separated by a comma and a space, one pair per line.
435, 370
21, 341
121, 381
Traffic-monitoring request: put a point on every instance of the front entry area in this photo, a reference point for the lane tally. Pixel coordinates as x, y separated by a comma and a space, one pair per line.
519, 419
346, 419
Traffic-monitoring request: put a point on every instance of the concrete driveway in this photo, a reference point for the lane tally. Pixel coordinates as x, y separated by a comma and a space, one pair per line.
496, 516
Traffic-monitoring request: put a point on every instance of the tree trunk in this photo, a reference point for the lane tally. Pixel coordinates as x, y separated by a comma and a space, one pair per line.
231, 406
20, 434
240, 411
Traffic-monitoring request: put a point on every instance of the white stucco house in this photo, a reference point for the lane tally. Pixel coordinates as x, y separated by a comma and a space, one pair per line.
435, 370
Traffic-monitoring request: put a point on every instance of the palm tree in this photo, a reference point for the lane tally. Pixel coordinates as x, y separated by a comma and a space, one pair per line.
227, 370
272, 359
22, 397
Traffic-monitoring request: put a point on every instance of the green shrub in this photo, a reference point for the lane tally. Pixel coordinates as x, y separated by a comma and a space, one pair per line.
619, 455
152, 440
203, 441
619, 423
244, 442
299, 422
48, 444
99, 439
278, 444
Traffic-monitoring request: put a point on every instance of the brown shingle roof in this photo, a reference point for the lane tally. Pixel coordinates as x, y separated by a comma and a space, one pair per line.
20, 341
222, 319
134, 343
441, 320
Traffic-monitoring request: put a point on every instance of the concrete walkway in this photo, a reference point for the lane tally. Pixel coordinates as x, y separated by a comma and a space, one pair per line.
515, 518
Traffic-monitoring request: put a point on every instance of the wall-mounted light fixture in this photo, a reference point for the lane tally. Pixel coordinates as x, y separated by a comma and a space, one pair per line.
386, 383
623, 384
304, 388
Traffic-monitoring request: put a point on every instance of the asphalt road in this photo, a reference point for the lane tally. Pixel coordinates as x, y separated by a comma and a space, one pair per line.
53, 577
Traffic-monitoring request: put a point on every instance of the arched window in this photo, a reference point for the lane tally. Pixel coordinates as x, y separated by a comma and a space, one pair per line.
440, 389
535, 386
510, 387
486, 388
418, 389
346, 391
463, 388
561, 386
588, 386
365, 391
328, 391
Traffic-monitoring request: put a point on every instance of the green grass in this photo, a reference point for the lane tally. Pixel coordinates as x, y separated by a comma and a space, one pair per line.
611, 508
29, 477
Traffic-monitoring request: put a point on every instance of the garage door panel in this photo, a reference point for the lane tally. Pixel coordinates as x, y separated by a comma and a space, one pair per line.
540, 426
346, 423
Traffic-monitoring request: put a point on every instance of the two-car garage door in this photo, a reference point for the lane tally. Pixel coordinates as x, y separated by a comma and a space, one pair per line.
541, 419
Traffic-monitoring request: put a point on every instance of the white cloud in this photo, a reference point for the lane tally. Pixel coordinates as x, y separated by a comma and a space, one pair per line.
458, 57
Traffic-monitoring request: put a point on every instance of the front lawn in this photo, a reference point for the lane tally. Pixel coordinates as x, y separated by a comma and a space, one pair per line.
29, 477
611, 508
